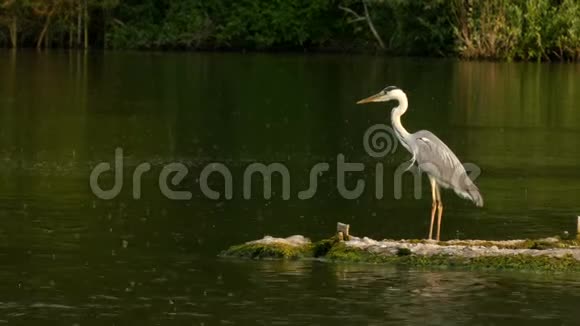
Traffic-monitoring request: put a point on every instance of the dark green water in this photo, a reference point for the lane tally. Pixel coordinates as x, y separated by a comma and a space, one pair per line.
72, 258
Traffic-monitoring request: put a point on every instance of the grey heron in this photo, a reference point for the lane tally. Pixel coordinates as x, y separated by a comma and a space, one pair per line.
431, 155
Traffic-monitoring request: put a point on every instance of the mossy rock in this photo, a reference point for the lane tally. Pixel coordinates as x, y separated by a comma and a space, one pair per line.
344, 253
334, 250
539, 244
274, 250
268, 251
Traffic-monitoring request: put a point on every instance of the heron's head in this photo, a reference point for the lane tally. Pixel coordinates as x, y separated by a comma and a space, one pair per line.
387, 94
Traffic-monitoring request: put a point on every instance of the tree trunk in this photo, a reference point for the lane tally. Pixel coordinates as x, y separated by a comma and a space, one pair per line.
43, 33
70, 35
105, 25
14, 32
86, 21
367, 18
372, 26
79, 24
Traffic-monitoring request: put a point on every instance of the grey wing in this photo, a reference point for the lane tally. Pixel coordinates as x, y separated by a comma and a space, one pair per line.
439, 162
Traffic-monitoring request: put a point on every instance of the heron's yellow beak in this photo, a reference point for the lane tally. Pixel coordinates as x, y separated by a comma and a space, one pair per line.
373, 98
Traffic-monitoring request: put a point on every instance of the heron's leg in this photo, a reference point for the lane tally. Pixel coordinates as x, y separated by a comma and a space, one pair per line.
433, 206
440, 211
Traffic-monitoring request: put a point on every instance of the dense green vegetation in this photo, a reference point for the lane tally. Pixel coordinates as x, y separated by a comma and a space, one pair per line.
501, 29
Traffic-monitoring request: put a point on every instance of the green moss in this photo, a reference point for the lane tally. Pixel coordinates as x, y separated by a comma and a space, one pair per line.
322, 247
265, 251
280, 250
344, 253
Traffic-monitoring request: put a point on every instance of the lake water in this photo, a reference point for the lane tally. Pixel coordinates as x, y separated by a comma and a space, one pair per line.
69, 257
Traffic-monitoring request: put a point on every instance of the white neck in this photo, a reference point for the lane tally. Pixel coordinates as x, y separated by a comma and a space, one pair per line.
396, 114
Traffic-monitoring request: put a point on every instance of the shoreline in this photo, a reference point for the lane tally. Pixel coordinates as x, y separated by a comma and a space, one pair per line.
282, 52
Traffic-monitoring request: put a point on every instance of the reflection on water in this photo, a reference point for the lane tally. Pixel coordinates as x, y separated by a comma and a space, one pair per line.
210, 291
70, 256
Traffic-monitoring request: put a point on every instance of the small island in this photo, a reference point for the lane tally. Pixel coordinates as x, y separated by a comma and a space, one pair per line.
548, 254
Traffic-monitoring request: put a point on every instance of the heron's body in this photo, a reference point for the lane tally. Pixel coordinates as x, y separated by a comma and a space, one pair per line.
431, 155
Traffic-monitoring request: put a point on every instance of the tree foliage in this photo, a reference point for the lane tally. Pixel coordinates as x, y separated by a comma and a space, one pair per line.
518, 29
